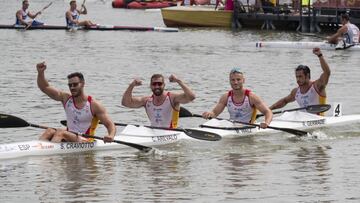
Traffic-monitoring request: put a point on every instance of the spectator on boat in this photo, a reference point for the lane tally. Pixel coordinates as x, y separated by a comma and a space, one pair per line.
83, 112
267, 6
22, 16
73, 15
308, 92
241, 103
228, 5
348, 33
162, 107
188, 2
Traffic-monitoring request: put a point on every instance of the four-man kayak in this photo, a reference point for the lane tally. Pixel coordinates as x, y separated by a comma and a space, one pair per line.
155, 137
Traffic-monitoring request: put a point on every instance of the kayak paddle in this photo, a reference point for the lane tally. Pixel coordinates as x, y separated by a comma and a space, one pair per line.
187, 113
197, 134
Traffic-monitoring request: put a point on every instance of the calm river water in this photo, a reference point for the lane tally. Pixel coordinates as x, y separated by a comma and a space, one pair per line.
274, 168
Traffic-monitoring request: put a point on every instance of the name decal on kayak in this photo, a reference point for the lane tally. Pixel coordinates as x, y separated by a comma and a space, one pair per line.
313, 123
244, 130
77, 145
24, 147
43, 146
5, 148
165, 138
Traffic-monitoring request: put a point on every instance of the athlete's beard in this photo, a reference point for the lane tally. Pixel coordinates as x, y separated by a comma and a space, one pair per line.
301, 83
76, 93
236, 87
158, 91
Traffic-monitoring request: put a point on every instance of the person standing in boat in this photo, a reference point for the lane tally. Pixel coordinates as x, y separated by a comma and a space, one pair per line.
348, 33
22, 16
82, 111
73, 15
162, 107
308, 92
241, 103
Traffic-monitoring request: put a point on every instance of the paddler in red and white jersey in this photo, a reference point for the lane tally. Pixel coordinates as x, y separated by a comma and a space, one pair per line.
73, 14
241, 103
22, 16
82, 111
162, 107
308, 92
348, 33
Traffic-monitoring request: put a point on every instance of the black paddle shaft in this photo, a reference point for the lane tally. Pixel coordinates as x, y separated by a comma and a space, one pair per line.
194, 133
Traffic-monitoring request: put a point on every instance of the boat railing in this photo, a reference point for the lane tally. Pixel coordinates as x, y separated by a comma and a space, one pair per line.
308, 15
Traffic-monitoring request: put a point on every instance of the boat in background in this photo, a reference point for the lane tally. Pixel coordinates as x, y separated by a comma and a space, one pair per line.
196, 16
143, 4
304, 45
95, 27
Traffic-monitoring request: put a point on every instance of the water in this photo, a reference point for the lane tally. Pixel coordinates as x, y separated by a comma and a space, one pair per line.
276, 168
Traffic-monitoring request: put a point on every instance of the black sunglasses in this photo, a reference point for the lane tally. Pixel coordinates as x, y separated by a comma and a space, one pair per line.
74, 84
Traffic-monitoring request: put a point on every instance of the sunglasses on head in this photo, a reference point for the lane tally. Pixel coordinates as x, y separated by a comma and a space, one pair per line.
74, 84
236, 70
156, 83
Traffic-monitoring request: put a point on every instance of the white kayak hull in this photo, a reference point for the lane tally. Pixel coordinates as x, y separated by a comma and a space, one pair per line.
154, 137
294, 120
301, 45
131, 134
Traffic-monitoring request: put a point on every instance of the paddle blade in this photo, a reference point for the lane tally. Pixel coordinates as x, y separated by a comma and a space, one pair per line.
184, 113
63, 122
318, 108
202, 135
299, 133
9, 121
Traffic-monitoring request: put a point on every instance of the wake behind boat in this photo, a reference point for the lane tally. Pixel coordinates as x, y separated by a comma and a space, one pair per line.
95, 27
304, 45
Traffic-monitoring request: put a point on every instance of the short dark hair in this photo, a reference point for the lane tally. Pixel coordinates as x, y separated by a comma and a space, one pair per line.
304, 68
72, 1
155, 76
345, 16
25, 1
76, 74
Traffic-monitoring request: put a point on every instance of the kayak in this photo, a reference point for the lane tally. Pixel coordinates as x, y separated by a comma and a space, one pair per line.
295, 120
95, 27
304, 45
145, 136
131, 134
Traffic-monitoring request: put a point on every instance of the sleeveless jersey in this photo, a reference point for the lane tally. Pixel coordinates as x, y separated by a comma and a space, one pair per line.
311, 97
75, 15
80, 120
24, 15
243, 111
163, 115
352, 34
